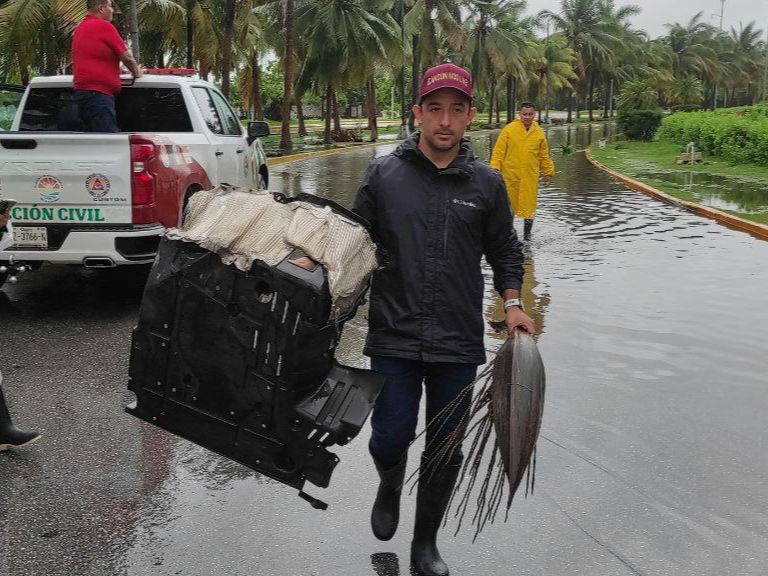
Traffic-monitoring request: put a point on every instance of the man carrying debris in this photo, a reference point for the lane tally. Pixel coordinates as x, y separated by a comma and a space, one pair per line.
434, 210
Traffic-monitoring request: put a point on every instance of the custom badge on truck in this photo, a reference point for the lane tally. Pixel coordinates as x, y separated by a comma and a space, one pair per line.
49, 188
97, 185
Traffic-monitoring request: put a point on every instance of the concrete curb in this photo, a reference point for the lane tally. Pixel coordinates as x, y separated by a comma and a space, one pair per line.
755, 228
277, 160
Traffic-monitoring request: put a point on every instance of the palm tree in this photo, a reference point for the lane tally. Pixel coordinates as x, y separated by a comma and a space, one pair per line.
551, 66
497, 40
610, 70
35, 35
286, 145
690, 46
686, 90
639, 94
748, 61
590, 38
250, 44
430, 24
344, 40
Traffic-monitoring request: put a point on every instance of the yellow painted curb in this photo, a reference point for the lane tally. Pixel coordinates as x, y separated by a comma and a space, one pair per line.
759, 230
277, 160
274, 161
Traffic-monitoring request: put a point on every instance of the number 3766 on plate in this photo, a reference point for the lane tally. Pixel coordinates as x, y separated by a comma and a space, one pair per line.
36, 236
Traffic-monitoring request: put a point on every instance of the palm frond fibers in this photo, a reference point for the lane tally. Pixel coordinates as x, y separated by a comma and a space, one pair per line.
500, 430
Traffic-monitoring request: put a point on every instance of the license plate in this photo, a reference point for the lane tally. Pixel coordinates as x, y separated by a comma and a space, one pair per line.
36, 236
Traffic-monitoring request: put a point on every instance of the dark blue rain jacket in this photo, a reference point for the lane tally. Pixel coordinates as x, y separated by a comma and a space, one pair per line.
433, 226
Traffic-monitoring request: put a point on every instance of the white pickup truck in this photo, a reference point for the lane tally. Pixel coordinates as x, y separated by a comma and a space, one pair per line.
103, 200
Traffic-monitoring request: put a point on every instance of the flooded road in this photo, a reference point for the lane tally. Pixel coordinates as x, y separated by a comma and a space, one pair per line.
652, 460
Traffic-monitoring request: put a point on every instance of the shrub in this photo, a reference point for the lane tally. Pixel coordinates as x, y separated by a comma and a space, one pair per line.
737, 135
639, 124
685, 108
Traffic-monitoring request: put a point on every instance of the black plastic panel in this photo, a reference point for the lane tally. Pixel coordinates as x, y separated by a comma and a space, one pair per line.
242, 364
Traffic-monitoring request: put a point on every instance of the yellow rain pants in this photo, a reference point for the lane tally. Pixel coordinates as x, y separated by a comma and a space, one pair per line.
519, 155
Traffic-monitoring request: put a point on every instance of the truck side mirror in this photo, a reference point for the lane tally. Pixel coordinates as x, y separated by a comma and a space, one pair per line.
257, 129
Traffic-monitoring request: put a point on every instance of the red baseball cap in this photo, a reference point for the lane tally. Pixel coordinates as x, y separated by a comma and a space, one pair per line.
446, 76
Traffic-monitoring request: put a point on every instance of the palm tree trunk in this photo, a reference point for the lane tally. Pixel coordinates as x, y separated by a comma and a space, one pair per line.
286, 146
490, 103
190, 31
498, 108
258, 105
335, 111
416, 76
372, 112
590, 97
509, 98
300, 115
610, 100
328, 113
133, 18
228, 24
569, 119
606, 99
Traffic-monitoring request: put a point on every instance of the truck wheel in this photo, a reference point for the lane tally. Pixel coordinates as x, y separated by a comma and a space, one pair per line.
3, 278
191, 191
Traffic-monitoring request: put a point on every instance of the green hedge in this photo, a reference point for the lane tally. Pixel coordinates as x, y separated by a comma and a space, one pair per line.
639, 124
739, 135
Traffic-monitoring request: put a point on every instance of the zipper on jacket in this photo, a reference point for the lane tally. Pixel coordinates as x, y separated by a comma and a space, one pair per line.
445, 229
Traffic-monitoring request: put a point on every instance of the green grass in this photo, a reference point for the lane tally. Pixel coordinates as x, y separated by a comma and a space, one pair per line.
633, 158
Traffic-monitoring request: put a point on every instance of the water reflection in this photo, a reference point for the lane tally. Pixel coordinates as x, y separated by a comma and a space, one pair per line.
715, 190
535, 299
385, 564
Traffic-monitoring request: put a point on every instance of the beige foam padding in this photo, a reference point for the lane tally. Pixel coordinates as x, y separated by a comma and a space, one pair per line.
242, 225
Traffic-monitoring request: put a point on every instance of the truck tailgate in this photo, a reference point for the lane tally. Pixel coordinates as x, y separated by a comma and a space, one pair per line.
66, 178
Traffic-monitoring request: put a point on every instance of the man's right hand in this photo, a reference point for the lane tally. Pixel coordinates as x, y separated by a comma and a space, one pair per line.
3, 220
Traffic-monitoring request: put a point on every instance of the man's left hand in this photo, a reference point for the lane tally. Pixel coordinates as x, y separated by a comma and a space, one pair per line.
516, 318
548, 180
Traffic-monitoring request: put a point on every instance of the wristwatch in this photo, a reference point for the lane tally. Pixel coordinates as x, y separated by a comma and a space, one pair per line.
513, 302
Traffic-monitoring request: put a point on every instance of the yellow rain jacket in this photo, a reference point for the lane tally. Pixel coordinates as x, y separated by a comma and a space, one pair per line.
519, 154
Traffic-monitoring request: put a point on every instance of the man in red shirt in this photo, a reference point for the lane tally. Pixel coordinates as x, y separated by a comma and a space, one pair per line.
97, 51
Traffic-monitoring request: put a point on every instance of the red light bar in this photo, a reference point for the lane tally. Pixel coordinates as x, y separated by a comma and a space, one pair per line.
171, 71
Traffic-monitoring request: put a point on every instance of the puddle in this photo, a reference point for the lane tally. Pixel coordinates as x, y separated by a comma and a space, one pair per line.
722, 192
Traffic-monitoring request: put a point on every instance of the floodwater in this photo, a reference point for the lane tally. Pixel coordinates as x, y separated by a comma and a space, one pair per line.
722, 192
654, 332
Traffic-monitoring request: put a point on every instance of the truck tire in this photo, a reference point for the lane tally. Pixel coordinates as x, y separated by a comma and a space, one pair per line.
3, 278
191, 191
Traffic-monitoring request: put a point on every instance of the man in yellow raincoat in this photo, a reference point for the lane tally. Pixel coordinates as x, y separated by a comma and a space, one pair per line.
520, 154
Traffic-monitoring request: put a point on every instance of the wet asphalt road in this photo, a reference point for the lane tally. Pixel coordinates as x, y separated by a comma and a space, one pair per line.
652, 460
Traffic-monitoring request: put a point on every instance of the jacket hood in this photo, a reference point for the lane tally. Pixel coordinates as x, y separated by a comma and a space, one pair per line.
463, 165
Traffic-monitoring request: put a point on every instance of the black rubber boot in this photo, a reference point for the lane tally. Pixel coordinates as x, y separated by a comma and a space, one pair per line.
527, 227
431, 503
386, 509
10, 436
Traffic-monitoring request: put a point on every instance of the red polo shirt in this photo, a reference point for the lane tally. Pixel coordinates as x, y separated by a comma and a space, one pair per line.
96, 50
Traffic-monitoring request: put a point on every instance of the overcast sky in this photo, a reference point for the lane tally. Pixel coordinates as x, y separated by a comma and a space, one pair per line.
656, 13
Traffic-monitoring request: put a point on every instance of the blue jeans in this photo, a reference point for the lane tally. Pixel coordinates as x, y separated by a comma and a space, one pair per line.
97, 111
396, 411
